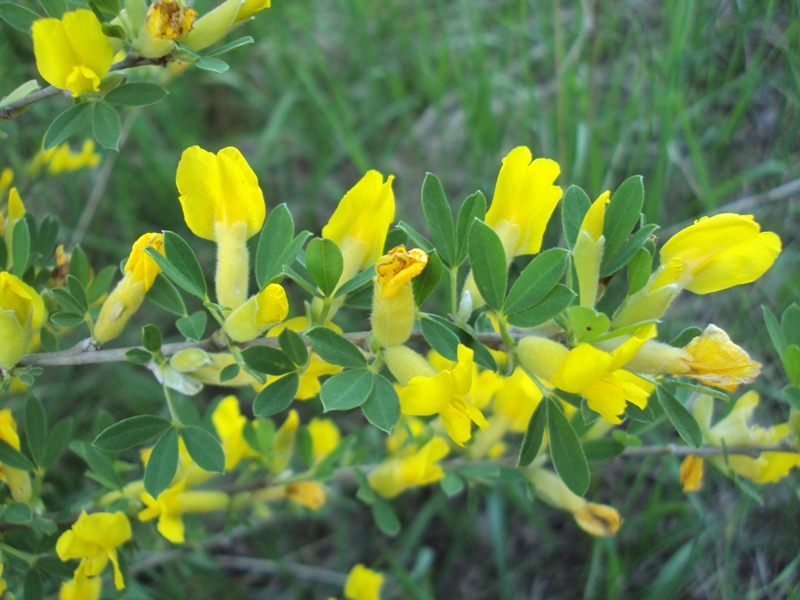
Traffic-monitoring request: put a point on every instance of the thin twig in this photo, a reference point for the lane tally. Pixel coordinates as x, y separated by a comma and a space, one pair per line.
277, 567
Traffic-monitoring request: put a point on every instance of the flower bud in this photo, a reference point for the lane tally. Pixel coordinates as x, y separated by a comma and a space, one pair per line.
393, 307
213, 26
21, 313
189, 359
588, 251
541, 356
258, 314
405, 364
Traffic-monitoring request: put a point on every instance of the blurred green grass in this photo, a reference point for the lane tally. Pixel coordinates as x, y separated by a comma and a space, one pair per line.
702, 98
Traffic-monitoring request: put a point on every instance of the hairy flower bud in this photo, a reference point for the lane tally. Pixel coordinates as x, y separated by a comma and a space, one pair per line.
21, 314
258, 314
393, 307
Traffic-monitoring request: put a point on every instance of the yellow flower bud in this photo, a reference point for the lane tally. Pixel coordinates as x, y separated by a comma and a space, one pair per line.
396, 475
213, 26
251, 7
405, 364
598, 520
541, 356
588, 251
393, 307
308, 493
691, 473
189, 359
22, 313
258, 314
19, 482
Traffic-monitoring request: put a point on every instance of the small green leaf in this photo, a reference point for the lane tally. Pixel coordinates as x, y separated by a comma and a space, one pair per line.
622, 213
293, 346
36, 429
566, 451
356, 283
204, 449
702, 389
791, 393
537, 280
136, 94
335, 349
65, 124
638, 271
385, 517
441, 335
131, 432
194, 326
106, 125
138, 356
382, 408
242, 41
419, 240
774, 330
488, 260
164, 294
19, 17
14, 458
683, 421
48, 235
346, 390
20, 247
439, 218
474, 207
424, 283
602, 449
212, 64
534, 434
259, 435
301, 280
574, 207
78, 292
151, 338
229, 372
101, 468
65, 299
79, 266
550, 306
180, 264
276, 237
791, 363
277, 396
162, 464
18, 513
269, 360
66, 319
612, 264
59, 438
324, 263
790, 324
451, 484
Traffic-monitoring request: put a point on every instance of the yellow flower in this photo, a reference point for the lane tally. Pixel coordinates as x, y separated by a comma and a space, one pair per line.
94, 539
588, 251
62, 159
174, 502
6, 178
395, 475
214, 25
257, 314
126, 298
444, 394
716, 360
251, 7
393, 306
325, 437
516, 399
22, 314
72, 53
169, 20
524, 198
598, 520
229, 421
691, 473
222, 202
363, 584
308, 493
19, 482
722, 251
87, 588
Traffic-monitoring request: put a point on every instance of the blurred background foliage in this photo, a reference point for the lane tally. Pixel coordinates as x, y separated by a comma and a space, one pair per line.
702, 98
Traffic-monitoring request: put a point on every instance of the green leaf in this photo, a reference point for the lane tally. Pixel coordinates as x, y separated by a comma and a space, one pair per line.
293, 346
440, 335
269, 360
308, 286
276, 236
164, 294
59, 438
602, 449
113, 31
356, 283
151, 338
638, 271
702, 389
791, 393
138, 356
774, 330
791, 363
67, 319
325, 468
474, 207
683, 421
451, 484
324, 263
65, 299
212, 64
106, 125
335, 349
346, 390
19, 17
566, 451
78, 292
193, 327
488, 260
424, 283
137, 93
259, 435
385, 517
536, 280
242, 41
204, 449
586, 323
574, 207
18, 513
180, 264
101, 468
65, 124
20, 247
36, 429
277, 396
415, 236
162, 464
439, 218
622, 213
48, 235
229, 372
109, 6
532, 441
14, 458
612, 264
550, 306
79, 266
790, 324
131, 432
382, 407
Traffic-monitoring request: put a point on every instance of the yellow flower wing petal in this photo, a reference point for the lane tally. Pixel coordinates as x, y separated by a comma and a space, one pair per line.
457, 422
584, 365
242, 198
606, 397
464, 369
628, 349
709, 235
273, 306
171, 527
425, 396
199, 185
54, 55
89, 44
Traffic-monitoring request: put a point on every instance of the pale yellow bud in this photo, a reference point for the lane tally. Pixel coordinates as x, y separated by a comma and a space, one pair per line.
541, 356
258, 314
119, 307
21, 313
190, 359
213, 26
405, 364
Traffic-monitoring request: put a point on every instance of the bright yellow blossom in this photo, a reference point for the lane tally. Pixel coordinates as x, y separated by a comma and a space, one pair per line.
128, 295
94, 539
22, 314
363, 584
310, 494
176, 501
691, 473
395, 475
62, 159
325, 437
229, 422
19, 482
89, 588
444, 394
72, 53
222, 202
251, 7
6, 179
257, 314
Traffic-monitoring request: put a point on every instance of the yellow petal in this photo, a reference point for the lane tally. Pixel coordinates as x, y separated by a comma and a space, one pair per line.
91, 46
598, 520
140, 264
691, 473
464, 369
716, 360
595, 216
171, 527
54, 55
395, 269
251, 7
584, 365
363, 584
526, 197
424, 396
